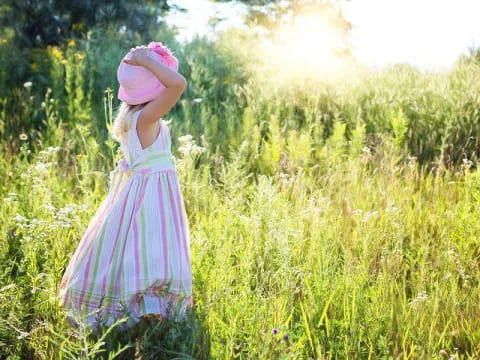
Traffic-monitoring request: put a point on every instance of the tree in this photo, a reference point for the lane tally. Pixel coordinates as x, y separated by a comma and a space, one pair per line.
37, 23
268, 13
271, 15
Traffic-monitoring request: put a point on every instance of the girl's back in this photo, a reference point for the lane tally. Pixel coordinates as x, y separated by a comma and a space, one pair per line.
130, 143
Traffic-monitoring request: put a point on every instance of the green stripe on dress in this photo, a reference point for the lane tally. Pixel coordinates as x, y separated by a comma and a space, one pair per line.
144, 245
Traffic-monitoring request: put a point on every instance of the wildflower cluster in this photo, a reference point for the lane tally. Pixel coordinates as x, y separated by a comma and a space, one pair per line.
369, 215
317, 206
285, 178
11, 198
365, 216
67, 216
460, 268
57, 54
38, 171
34, 232
391, 208
422, 296
188, 146
280, 343
285, 337
31, 229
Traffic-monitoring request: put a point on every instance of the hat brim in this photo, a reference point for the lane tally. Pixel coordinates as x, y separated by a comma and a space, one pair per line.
123, 96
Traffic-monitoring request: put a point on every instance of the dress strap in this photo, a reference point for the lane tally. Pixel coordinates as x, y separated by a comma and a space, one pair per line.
134, 120
166, 134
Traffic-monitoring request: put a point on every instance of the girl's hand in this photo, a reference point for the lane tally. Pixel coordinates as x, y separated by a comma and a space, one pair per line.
138, 55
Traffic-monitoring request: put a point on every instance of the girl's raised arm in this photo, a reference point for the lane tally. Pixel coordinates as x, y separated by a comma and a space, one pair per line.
175, 84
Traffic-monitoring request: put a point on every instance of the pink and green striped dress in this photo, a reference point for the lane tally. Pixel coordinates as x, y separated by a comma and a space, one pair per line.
134, 258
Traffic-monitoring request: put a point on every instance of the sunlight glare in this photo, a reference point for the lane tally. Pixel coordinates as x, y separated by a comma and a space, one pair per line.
305, 49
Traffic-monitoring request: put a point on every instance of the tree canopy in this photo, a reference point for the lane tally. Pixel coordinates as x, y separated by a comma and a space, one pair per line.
48, 22
269, 13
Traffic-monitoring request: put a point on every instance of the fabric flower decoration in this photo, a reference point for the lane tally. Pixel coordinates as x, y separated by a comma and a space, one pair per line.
167, 56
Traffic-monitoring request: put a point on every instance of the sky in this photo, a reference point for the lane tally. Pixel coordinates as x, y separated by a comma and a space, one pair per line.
429, 34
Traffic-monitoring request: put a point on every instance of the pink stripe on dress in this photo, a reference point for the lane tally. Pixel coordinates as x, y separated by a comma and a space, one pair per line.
104, 285
177, 206
163, 233
135, 235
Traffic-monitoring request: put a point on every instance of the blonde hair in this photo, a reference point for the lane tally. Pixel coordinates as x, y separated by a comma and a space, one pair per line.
121, 123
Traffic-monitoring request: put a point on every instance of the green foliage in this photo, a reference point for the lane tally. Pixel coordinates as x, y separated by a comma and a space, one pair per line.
399, 126
42, 23
358, 138
337, 142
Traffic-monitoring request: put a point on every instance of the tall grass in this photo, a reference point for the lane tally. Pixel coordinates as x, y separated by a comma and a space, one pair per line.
313, 211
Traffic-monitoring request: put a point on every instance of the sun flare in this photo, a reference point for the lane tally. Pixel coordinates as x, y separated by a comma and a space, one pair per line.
305, 48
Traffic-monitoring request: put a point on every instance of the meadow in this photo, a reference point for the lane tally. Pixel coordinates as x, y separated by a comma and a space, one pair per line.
328, 220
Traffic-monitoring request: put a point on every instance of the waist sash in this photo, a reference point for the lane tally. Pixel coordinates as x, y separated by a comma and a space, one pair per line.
144, 165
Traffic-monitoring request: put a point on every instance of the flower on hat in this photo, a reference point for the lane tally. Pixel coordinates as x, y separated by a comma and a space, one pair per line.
158, 47
169, 59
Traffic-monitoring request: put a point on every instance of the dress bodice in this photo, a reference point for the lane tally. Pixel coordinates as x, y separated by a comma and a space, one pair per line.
138, 161
131, 146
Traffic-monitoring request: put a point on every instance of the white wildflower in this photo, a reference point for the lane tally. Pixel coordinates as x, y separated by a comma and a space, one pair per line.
38, 222
10, 200
41, 168
185, 138
20, 219
391, 208
46, 154
27, 85
421, 297
188, 146
368, 215
284, 178
52, 209
467, 164
67, 216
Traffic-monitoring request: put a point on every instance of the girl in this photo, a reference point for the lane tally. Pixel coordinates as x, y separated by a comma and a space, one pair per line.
134, 258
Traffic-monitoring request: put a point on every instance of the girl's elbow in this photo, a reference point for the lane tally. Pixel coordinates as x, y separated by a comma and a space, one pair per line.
181, 83
178, 85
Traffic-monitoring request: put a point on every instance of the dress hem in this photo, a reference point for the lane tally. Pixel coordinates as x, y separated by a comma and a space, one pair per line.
168, 305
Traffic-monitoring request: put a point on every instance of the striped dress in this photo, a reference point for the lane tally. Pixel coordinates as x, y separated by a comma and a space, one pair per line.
134, 258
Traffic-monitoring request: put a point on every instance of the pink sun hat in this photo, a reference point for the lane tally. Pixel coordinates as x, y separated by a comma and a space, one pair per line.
139, 85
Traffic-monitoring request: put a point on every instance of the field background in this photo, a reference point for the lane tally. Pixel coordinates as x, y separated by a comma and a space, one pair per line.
343, 213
